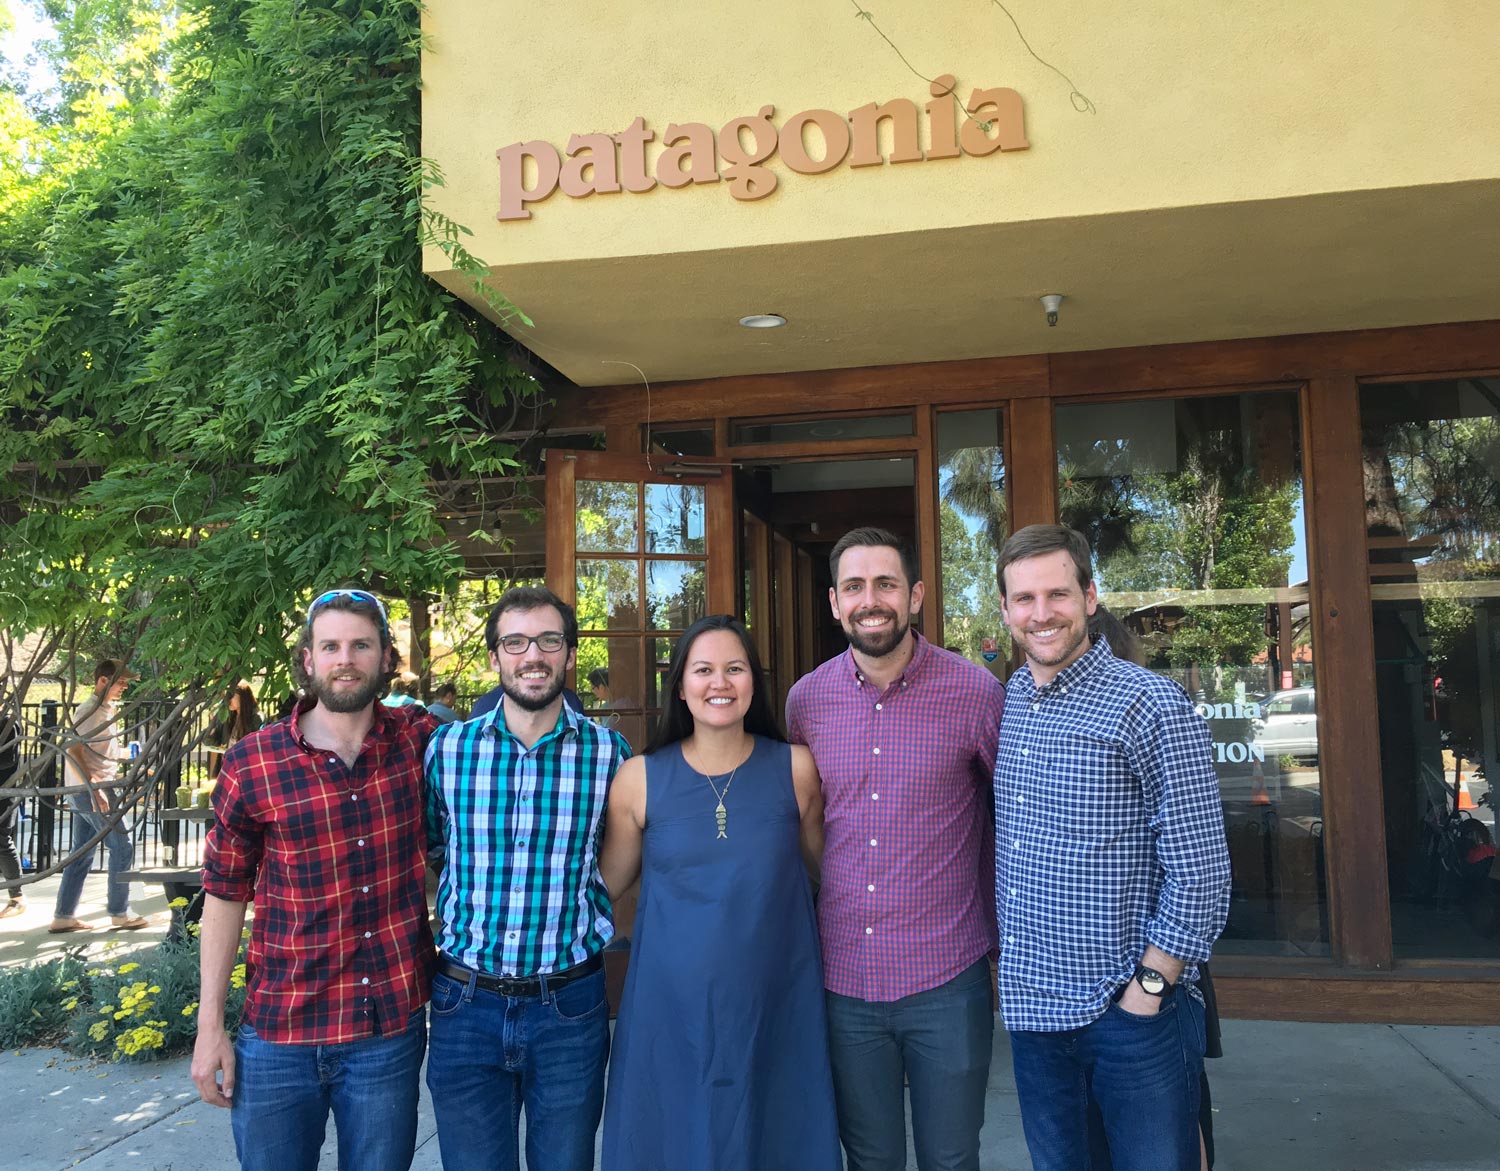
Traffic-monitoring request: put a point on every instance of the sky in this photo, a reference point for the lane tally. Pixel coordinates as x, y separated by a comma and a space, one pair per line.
16, 43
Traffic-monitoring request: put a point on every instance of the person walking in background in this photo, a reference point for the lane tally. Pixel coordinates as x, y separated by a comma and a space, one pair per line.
403, 690
903, 734
720, 1052
515, 802
1103, 919
10, 857
92, 756
442, 703
319, 819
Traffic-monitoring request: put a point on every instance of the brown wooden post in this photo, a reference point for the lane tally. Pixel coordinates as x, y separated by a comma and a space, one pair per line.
1344, 668
1031, 463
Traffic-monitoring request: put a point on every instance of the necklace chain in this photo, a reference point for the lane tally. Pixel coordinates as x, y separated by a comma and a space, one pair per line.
721, 815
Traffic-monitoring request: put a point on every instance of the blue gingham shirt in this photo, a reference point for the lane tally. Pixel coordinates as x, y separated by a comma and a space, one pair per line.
520, 892
1109, 836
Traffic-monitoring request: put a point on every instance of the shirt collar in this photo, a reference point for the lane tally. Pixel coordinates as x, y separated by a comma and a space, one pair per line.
378, 729
567, 722
1096, 657
914, 665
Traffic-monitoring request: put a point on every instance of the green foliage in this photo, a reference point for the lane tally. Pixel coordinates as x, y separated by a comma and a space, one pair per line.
226, 380
32, 999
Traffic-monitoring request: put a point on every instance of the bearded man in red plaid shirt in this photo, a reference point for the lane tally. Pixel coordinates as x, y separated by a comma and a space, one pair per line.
904, 734
319, 818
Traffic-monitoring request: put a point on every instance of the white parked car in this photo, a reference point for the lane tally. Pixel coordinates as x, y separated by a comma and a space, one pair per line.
1288, 725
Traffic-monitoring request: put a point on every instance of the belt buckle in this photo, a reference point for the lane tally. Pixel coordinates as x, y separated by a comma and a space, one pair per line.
516, 986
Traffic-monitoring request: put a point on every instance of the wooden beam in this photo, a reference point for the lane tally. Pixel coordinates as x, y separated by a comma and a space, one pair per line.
1344, 669
1458, 998
1031, 463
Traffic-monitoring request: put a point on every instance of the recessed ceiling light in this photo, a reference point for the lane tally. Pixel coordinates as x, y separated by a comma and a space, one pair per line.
763, 321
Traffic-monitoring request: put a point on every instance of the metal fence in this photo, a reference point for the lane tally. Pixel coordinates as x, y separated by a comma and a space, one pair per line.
43, 824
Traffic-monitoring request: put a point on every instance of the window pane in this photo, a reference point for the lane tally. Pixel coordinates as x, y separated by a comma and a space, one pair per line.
610, 677
684, 439
676, 593
1193, 508
1432, 512
674, 518
607, 516
974, 520
609, 595
657, 671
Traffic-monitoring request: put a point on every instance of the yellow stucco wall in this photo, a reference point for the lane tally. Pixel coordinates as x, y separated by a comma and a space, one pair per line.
1343, 152
1198, 103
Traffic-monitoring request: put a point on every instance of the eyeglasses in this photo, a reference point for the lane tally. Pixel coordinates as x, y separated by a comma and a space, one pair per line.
549, 641
354, 596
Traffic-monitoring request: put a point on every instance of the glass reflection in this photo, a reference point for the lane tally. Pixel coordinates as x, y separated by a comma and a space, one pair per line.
607, 518
974, 521
674, 518
676, 593
609, 594
1432, 490
1193, 508
609, 677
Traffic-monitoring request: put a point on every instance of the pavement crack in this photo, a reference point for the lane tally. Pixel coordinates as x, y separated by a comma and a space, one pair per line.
1467, 1091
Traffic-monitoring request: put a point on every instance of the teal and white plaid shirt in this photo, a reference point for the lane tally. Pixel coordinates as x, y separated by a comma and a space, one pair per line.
520, 893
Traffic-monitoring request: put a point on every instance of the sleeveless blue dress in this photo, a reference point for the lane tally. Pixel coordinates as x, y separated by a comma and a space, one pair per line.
720, 1059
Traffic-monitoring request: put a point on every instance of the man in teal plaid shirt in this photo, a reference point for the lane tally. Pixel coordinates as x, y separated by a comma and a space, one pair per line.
515, 799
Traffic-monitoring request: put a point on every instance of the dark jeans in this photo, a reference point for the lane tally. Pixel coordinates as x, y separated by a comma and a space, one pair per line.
940, 1042
283, 1093
1141, 1073
10, 857
491, 1056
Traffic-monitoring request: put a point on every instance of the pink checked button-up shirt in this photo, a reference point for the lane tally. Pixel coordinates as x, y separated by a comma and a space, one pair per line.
909, 867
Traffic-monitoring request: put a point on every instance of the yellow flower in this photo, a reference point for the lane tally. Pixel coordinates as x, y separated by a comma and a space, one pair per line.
124, 968
70, 1004
237, 977
98, 1029
155, 990
120, 1016
107, 1009
177, 903
70, 984
190, 1009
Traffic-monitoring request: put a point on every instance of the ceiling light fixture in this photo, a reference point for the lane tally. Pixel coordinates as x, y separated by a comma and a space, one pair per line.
763, 320
1052, 302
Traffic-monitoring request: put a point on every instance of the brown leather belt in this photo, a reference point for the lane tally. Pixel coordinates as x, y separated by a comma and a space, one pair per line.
519, 986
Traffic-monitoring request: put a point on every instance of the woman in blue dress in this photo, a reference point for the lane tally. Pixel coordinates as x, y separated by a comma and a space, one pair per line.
720, 1058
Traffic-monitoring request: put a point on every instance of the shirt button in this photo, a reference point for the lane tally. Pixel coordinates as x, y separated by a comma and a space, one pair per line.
869, 931
518, 886
512, 935
521, 844
365, 889
354, 796
1015, 845
1020, 800
367, 935
366, 980
870, 887
1010, 939
361, 842
877, 752
872, 841
874, 796
1035, 706
1012, 892
333, 760
1025, 752
877, 707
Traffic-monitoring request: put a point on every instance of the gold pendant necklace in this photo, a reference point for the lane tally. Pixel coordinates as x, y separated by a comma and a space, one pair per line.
721, 816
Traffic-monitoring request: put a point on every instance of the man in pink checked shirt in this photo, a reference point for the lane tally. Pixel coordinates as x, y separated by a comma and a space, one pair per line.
904, 734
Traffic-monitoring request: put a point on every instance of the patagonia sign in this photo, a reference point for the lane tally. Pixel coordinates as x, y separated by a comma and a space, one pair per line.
809, 143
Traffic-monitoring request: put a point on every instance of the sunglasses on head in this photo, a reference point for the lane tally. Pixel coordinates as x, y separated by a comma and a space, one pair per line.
354, 596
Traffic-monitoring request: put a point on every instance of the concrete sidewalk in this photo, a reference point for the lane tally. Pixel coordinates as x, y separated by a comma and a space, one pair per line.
1290, 1097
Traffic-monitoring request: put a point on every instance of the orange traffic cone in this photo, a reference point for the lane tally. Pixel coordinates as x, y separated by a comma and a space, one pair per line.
1465, 801
1258, 794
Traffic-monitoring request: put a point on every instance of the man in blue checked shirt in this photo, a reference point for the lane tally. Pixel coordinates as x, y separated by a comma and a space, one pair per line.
515, 797
1112, 880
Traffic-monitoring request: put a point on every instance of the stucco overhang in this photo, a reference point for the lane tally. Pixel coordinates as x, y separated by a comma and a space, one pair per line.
1289, 170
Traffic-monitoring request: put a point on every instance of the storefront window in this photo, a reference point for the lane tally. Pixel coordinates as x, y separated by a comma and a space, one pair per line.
1193, 508
1432, 512
974, 520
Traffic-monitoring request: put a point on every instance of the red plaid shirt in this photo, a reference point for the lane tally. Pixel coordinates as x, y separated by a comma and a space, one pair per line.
909, 866
340, 947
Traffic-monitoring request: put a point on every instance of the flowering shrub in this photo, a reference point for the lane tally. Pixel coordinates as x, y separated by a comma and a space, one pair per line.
143, 1007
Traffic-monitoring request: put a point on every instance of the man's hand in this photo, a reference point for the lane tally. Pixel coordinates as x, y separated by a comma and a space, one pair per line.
100, 800
213, 1054
1134, 1001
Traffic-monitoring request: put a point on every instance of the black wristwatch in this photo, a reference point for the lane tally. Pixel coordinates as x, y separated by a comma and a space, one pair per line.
1152, 982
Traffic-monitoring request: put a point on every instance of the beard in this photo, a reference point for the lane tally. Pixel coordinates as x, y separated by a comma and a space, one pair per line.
876, 643
344, 699
531, 701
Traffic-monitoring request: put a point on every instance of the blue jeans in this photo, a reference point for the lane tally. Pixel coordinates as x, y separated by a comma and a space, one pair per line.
87, 823
493, 1056
940, 1040
282, 1095
1140, 1072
